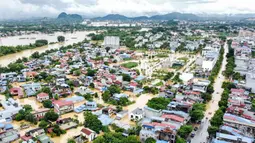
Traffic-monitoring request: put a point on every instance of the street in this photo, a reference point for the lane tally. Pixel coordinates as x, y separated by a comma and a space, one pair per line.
202, 134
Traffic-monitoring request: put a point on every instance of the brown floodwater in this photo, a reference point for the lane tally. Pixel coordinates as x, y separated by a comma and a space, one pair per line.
71, 38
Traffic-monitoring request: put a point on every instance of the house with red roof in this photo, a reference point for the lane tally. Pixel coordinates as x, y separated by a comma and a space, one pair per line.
31, 75
158, 131
237, 92
17, 91
62, 106
172, 117
42, 97
88, 134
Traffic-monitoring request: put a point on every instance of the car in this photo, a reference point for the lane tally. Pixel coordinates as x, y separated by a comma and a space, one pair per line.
196, 128
192, 135
210, 113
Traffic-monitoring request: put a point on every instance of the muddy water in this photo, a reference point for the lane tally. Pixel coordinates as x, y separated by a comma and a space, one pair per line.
71, 38
140, 103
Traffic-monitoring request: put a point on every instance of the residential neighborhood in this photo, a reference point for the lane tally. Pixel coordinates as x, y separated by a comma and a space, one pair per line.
130, 81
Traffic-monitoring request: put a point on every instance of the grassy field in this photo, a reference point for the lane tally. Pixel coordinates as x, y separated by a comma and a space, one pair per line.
130, 65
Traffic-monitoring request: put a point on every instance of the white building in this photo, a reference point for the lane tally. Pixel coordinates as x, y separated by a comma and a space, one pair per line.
136, 115
112, 42
210, 57
208, 63
250, 81
89, 134
201, 85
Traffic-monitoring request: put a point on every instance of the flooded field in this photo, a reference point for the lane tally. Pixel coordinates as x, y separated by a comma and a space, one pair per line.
71, 38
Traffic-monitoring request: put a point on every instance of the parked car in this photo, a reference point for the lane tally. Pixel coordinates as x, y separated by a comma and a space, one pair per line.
192, 135
196, 128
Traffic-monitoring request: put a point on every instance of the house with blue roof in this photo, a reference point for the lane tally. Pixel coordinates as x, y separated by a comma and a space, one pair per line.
31, 88
105, 119
117, 96
239, 122
11, 107
232, 138
5, 127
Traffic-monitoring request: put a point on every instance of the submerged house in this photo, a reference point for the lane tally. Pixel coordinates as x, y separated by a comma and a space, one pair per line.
17, 91
62, 106
32, 88
11, 108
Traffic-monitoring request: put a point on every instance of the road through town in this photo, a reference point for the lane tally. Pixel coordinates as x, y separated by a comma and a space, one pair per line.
202, 134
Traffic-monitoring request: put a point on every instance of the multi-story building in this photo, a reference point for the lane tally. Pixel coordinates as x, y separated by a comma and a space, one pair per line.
158, 131
62, 106
112, 41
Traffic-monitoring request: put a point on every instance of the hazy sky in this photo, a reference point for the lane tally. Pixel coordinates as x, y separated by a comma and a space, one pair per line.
10, 9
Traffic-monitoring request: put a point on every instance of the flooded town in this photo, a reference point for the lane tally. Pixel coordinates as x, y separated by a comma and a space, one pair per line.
173, 78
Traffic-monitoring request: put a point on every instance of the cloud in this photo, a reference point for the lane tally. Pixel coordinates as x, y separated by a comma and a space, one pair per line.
10, 9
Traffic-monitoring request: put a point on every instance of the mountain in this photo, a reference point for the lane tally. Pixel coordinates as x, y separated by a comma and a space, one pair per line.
66, 16
175, 15
169, 16
226, 16
112, 17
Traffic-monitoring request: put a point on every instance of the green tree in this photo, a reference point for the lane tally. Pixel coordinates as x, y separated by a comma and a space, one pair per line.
126, 77
212, 130
168, 76
31, 118
197, 115
106, 95
61, 39
57, 130
114, 89
27, 108
184, 131
42, 42
107, 49
158, 103
47, 103
91, 72
92, 85
92, 122
51, 116
77, 72
217, 119
150, 140
43, 124
71, 141
180, 140
35, 55
119, 108
197, 112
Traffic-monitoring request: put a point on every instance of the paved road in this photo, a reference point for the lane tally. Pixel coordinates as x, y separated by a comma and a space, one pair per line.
202, 133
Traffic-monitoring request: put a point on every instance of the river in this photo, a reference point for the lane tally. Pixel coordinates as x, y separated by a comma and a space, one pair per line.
71, 38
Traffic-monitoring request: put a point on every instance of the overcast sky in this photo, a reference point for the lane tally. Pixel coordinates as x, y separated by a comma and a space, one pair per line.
11, 9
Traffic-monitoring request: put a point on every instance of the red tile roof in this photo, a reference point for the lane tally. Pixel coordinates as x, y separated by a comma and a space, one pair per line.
61, 103
32, 74
237, 90
42, 95
17, 91
26, 138
173, 117
161, 125
86, 131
